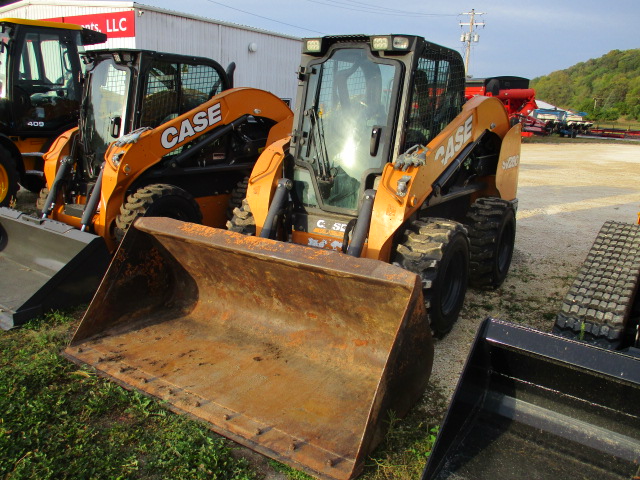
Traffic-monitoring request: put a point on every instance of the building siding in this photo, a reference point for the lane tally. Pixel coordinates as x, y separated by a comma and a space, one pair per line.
271, 67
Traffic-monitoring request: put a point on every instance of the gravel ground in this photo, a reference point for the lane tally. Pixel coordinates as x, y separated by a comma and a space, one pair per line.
566, 192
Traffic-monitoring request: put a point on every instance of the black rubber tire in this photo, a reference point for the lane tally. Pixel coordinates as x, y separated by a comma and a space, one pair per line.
491, 223
238, 194
438, 251
33, 183
157, 200
601, 306
242, 220
9, 178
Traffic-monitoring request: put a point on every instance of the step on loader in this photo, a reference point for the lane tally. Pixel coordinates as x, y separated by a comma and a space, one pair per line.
562, 405
300, 328
159, 135
40, 72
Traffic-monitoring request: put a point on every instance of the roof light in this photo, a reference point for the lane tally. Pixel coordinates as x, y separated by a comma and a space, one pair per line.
400, 43
312, 45
380, 43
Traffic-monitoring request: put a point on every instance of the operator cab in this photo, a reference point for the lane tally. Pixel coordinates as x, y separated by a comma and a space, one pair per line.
39, 91
363, 101
131, 89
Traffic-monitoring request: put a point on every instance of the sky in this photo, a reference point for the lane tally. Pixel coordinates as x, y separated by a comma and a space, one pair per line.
526, 38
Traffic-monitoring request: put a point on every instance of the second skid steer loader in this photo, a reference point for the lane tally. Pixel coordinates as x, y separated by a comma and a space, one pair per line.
300, 352
159, 135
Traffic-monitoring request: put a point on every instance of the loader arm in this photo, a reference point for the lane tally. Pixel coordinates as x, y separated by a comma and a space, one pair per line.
129, 158
394, 204
264, 177
60, 147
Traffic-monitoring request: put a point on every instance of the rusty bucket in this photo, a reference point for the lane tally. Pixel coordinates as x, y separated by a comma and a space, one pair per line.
294, 352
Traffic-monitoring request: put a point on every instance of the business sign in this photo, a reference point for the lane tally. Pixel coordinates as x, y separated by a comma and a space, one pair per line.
115, 25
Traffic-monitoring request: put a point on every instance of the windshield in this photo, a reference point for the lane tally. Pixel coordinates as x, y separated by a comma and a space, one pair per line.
105, 110
347, 109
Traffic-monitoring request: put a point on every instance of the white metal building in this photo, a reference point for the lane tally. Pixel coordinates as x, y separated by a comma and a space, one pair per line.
264, 59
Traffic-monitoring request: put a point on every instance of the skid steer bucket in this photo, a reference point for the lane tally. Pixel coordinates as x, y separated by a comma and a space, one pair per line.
44, 265
534, 405
297, 353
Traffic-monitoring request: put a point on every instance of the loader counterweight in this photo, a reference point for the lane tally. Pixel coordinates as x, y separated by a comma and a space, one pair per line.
299, 356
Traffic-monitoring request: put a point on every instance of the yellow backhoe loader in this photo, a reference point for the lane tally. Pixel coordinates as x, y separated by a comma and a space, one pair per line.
159, 135
299, 340
40, 94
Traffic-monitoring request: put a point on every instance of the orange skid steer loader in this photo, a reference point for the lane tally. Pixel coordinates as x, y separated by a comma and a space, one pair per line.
160, 135
300, 352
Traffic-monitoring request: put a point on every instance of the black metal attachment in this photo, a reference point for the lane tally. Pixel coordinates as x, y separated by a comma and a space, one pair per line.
361, 230
92, 204
65, 165
562, 408
277, 204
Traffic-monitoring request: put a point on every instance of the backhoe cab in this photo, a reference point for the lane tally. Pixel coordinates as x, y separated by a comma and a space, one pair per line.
40, 94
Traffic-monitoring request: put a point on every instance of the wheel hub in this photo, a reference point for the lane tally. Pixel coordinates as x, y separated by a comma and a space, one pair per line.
4, 183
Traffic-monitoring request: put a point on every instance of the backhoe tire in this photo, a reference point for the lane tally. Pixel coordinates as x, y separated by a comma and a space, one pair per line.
491, 223
33, 183
238, 194
157, 200
8, 178
438, 251
242, 220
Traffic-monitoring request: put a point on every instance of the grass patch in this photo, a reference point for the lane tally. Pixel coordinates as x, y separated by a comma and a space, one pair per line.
408, 443
61, 421
288, 471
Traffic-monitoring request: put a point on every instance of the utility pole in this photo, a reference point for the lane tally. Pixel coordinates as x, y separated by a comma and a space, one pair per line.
471, 35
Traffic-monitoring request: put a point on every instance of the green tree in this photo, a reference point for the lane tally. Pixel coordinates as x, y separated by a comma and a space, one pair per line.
604, 87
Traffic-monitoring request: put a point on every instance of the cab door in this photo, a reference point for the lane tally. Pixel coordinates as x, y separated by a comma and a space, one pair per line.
46, 90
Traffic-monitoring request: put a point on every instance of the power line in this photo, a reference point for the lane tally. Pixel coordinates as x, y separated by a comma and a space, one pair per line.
266, 18
356, 6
